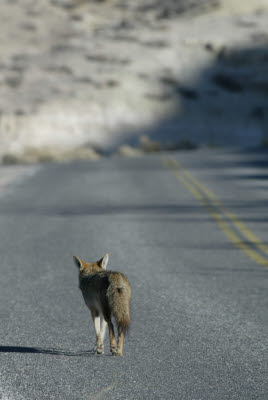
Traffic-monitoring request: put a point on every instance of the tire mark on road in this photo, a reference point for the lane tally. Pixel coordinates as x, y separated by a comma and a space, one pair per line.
99, 395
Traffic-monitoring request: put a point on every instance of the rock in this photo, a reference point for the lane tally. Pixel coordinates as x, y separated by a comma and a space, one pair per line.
148, 145
129, 151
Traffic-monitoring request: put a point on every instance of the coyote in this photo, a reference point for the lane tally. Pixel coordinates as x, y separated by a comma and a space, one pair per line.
107, 294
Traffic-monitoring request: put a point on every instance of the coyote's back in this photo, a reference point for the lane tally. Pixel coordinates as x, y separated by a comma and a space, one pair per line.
107, 294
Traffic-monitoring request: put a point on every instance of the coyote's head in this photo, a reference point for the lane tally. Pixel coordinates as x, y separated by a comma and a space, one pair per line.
95, 266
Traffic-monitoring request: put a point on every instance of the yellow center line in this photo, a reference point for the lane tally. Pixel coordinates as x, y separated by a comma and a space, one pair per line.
198, 191
239, 224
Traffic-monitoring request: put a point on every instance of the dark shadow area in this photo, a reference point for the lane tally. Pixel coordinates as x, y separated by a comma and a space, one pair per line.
151, 210
223, 271
130, 209
256, 177
227, 105
169, 8
198, 218
221, 246
253, 157
47, 351
107, 209
258, 156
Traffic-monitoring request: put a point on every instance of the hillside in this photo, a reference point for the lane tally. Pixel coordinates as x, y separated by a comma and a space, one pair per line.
81, 78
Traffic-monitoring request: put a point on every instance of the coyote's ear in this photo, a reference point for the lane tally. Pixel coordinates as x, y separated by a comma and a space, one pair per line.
78, 262
104, 261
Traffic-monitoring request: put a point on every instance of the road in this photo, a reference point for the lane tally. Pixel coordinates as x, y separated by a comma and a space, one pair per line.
199, 295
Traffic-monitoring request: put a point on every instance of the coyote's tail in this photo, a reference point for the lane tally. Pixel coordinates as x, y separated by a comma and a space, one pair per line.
118, 294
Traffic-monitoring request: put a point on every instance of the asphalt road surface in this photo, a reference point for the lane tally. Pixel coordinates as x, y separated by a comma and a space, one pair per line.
199, 294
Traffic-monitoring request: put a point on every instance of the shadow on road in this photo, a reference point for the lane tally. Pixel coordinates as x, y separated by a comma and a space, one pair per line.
50, 351
182, 212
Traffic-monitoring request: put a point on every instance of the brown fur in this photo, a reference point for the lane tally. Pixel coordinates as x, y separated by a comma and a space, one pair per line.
107, 294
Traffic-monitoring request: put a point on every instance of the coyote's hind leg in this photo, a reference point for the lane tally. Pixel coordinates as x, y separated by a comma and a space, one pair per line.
120, 341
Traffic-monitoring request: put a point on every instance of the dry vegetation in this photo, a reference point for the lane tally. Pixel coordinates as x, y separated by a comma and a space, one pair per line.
81, 78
